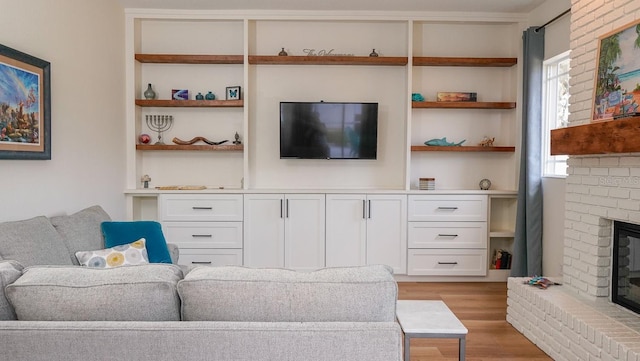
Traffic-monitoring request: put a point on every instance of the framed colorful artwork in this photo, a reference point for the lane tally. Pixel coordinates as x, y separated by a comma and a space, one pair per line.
25, 106
617, 82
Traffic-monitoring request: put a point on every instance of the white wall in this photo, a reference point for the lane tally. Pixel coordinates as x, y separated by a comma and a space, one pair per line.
84, 42
553, 189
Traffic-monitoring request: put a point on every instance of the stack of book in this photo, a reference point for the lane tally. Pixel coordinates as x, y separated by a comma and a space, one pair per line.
501, 259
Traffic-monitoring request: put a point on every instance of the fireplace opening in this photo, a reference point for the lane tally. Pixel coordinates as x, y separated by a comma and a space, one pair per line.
626, 265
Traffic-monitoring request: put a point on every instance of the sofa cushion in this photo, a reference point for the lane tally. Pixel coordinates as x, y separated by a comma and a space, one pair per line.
33, 242
233, 293
81, 231
9, 272
119, 233
131, 254
72, 293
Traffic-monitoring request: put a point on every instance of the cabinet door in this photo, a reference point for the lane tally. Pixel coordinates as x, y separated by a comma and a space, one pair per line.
346, 230
263, 230
304, 231
387, 231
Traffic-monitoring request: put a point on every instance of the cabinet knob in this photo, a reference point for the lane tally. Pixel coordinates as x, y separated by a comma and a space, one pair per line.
200, 262
448, 208
201, 235
447, 235
202, 208
447, 262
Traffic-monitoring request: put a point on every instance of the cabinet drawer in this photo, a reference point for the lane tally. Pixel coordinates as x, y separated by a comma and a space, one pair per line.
447, 262
447, 235
204, 234
196, 207
210, 257
447, 208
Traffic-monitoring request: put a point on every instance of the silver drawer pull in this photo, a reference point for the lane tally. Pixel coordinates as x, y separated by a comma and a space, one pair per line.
201, 235
202, 262
448, 208
447, 235
447, 262
202, 208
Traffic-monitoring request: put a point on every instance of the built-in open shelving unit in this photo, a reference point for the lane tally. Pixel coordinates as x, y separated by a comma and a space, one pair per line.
158, 54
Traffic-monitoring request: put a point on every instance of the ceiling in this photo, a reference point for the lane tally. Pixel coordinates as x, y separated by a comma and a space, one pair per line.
491, 6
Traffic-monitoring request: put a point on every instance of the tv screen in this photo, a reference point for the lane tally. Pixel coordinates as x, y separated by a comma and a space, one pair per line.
327, 130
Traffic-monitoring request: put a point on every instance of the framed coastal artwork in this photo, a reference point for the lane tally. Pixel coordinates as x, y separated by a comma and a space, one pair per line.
617, 83
25, 106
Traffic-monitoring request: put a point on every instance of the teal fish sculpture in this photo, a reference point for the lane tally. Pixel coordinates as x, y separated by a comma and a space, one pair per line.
443, 142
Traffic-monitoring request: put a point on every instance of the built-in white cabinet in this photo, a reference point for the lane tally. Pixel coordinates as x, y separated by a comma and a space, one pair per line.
284, 230
367, 229
206, 228
447, 235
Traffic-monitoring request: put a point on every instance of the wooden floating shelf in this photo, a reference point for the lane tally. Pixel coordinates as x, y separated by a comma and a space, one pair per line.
607, 137
458, 61
464, 105
198, 147
328, 60
189, 59
169, 103
430, 148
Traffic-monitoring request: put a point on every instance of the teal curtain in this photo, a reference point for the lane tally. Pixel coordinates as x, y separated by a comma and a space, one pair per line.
527, 246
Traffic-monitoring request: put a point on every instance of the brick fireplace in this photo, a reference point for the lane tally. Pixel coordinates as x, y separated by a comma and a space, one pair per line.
577, 321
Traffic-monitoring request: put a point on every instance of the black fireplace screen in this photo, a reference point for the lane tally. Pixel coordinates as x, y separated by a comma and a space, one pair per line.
625, 287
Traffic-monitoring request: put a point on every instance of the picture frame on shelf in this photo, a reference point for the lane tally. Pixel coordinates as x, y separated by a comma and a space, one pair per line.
232, 93
179, 94
25, 132
616, 92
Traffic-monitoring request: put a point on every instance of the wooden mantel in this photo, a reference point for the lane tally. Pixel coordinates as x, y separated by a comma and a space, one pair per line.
608, 137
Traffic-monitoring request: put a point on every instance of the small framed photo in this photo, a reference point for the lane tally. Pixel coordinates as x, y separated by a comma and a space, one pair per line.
179, 94
233, 93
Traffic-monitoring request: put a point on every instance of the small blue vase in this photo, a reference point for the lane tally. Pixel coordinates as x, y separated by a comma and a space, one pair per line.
210, 96
199, 96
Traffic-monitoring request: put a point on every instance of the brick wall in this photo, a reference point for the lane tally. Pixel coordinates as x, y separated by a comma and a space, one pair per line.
598, 189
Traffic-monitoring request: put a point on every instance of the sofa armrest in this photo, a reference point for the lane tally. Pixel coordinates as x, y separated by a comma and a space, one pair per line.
174, 251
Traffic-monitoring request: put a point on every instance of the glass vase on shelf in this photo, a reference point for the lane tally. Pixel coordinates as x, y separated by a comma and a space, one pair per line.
149, 93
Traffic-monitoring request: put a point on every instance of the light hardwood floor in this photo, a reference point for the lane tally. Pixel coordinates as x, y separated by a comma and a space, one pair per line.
482, 308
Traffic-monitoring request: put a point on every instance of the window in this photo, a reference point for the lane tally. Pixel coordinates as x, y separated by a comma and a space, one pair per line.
555, 111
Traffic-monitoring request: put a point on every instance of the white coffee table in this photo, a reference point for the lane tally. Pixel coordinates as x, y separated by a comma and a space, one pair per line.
429, 319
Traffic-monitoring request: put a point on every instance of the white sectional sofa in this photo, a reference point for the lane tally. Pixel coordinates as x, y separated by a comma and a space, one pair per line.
51, 310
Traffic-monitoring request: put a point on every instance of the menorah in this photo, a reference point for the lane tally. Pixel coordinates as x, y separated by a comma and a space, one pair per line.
159, 124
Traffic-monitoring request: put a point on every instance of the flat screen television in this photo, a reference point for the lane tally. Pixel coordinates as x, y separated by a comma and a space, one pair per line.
328, 130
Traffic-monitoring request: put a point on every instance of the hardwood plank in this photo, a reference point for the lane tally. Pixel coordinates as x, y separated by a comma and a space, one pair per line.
189, 59
328, 60
464, 105
481, 307
432, 148
197, 147
463, 61
615, 136
170, 103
